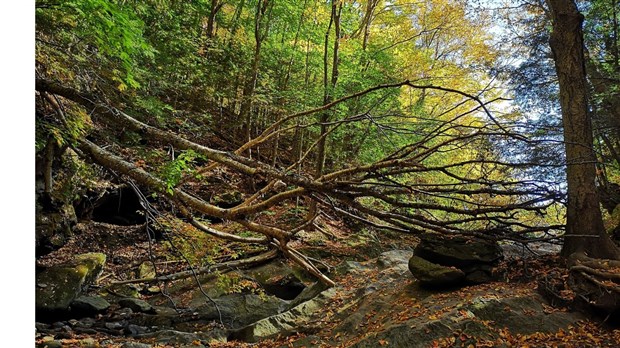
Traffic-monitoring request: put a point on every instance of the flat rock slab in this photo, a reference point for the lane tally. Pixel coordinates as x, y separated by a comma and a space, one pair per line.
482, 317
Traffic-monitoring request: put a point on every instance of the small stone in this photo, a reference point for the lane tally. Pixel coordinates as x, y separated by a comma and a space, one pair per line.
123, 313
86, 322
50, 344
41, 326
88, 343
135, 330
153, 289
116, 325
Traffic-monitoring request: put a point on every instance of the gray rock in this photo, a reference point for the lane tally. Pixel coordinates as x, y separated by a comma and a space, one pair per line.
135, 330
238, 310
60, 285
42, 326
293, 320
137, 305
458, 251
474, 256
433, 275
308, 293
135, 345
393, 258
115, 325
90, 305
347, 266
519, 315
59, 324
86, 322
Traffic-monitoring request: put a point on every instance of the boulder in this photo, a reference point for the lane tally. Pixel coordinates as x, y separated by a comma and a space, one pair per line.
433, 275
457, 251
475, 257
58, 286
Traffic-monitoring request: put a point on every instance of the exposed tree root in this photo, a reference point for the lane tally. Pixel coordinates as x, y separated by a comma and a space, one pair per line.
596, 281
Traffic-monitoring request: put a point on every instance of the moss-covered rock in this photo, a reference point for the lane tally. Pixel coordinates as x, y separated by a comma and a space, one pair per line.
59, 285
434, 275
458, 251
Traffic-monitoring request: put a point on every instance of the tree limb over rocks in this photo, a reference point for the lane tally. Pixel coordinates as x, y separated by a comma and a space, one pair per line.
462, 198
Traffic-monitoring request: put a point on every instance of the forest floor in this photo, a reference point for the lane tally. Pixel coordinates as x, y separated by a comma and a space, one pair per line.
521, 273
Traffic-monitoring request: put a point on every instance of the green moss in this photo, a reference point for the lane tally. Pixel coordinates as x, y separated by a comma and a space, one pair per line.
58, 286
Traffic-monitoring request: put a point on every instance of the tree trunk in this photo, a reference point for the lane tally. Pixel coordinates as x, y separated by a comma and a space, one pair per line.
328, 87
261, 27
584, 226
216, 5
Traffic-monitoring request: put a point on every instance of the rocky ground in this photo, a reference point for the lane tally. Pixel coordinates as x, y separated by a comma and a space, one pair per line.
377, 301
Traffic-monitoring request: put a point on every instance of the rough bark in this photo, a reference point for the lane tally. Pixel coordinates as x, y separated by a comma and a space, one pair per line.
584, 227
216, 5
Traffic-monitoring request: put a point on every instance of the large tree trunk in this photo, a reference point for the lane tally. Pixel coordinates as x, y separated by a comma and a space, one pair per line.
584, 226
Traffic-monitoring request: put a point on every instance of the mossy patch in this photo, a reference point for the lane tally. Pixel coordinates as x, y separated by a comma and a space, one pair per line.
58, 286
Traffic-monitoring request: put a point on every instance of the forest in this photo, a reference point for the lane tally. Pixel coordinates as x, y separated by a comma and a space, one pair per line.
338, 173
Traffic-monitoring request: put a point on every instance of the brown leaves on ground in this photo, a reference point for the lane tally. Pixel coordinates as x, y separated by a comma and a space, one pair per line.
584, 334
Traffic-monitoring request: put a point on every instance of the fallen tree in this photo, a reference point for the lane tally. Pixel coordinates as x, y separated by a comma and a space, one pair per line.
468, 197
